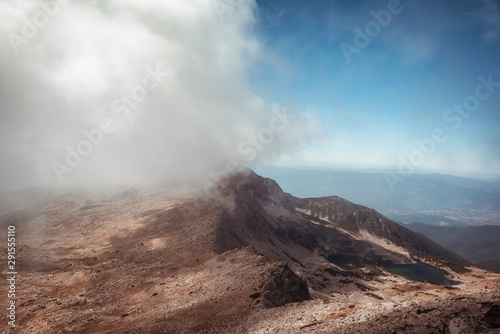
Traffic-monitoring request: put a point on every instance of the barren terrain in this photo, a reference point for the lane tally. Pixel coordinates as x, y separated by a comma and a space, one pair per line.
162, 262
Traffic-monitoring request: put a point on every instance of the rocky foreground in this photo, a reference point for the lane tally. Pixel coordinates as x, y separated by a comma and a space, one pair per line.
245, 260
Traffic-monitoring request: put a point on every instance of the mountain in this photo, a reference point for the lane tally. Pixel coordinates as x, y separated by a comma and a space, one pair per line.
247, 258
429, 198
363, 221
477, 244
268, 219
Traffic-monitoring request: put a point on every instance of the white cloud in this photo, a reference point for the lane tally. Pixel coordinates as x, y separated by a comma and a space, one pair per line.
65, 77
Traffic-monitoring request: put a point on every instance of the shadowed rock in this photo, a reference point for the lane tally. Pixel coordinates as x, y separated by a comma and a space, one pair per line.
492, 317
285, 287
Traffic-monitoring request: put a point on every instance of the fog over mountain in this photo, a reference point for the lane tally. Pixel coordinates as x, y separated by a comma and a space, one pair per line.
154, 91
133, 92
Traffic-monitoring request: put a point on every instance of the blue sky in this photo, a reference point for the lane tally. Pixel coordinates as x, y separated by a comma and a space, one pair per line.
396, 90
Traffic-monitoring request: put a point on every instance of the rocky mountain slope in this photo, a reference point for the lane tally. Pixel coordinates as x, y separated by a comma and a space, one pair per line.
360, 220
248, 259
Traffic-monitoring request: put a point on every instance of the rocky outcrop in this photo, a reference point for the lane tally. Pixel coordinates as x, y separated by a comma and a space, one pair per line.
284, 287
492, 317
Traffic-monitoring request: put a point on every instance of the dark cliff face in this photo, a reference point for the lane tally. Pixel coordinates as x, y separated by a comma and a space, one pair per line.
257, 212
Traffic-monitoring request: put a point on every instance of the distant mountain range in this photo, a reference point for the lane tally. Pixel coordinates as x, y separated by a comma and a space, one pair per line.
478, 244
428, 198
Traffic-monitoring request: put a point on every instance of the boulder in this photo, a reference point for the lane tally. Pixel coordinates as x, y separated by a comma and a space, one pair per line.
284, 287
